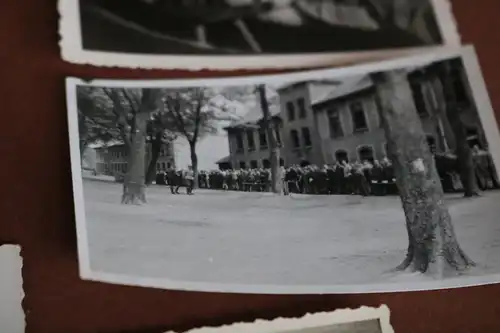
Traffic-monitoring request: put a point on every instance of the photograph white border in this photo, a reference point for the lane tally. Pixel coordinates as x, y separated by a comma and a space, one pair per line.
72, 49
486, 115
12, 317
309, 321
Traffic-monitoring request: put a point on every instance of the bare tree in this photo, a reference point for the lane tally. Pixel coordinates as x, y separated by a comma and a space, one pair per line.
433, 247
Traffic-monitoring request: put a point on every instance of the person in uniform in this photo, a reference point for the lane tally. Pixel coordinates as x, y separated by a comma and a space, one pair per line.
189, 177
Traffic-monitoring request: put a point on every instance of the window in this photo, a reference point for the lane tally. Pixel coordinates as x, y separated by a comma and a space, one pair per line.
358, 117
239, 142
301, 102
295, 138
266, 164
263, 139
169, 165
254, 164
366, 154
251, 141
335, 124
157, 166
243, 165
418, 98
282, 162
290, 109
163, 165
306, 135
341, 155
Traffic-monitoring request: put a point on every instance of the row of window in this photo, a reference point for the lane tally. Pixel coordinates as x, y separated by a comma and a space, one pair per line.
263, 140
301, 108
163, 166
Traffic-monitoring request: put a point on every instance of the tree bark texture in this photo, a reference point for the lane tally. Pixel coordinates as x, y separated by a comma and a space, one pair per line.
134, 183
274, 156
433, 247
194, 163
462, 150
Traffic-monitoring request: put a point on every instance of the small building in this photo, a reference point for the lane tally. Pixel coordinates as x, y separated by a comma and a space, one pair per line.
224, 163
113, 158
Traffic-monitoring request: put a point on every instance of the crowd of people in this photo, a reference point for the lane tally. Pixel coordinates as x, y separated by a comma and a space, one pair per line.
361, 178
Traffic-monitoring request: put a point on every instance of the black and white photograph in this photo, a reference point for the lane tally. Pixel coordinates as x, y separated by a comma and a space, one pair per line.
236, 34
361, 320
380, 177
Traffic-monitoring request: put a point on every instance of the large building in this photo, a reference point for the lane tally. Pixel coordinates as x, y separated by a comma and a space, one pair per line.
112, 159
249, 142
322, 122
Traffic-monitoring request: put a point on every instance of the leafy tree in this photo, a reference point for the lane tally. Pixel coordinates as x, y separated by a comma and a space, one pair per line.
95, 121
133, 109
433, 247
160, 134
193, 115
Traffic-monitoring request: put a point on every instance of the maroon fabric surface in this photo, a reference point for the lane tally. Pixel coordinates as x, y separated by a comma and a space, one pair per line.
37, 210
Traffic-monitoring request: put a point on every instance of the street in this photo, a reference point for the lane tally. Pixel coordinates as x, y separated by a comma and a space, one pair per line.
259, 238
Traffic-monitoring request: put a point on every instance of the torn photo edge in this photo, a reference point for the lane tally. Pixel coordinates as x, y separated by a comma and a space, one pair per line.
72, 50
12, 314
486, 114
309, 322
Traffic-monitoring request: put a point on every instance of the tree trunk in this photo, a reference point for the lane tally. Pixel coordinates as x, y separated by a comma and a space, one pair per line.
134, 182
155, 153
194, 163
462, 149
274, 156
433, 248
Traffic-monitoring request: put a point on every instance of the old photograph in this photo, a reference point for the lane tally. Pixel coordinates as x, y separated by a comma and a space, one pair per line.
361, 320
225, 34
379, 177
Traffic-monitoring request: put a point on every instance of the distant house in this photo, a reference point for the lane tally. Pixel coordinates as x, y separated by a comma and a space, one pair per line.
113, 158
224, 163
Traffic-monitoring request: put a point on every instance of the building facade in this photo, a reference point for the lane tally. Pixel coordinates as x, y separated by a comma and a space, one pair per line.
249, 145
349, 126
113, 159
322, 122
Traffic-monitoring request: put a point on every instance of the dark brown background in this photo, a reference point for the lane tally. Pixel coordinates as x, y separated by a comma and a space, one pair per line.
37, 207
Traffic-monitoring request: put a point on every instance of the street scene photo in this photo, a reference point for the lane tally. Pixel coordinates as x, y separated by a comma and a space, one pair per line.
94, 29
290, 182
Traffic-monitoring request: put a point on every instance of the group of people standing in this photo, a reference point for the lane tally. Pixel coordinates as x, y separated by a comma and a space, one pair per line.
361, 177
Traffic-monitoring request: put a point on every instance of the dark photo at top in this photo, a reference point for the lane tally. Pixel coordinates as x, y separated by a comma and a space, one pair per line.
246, 27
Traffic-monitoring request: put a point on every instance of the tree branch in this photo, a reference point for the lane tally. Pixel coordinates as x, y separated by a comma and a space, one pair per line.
174, 105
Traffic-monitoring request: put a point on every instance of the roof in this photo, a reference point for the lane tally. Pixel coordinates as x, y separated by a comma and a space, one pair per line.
349, 86
254, 115
226, 159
